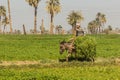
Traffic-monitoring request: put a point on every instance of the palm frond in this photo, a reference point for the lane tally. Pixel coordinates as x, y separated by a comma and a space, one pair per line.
33, 3
5, 21
74, 17
2, 11
53, 6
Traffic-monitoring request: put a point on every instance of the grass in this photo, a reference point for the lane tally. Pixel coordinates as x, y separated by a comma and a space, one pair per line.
65, 71
108, 46
45, 48
41, 47
30, 47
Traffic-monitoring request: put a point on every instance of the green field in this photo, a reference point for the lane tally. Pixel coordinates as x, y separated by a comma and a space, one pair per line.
30, 47
45, 49
64, 73
39, 47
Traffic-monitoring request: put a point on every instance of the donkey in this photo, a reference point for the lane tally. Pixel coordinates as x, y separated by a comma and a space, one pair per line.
69, 47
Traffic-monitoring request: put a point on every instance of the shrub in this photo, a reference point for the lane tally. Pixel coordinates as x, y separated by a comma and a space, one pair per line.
85, 47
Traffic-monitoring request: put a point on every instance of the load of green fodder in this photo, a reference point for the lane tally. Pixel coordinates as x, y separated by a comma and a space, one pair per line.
85, 47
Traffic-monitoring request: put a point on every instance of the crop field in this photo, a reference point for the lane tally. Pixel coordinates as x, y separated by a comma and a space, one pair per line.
30, 47
61, 73
45, 50
39, 47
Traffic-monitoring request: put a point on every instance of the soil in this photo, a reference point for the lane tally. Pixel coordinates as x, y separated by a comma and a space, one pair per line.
20, 63
8, 63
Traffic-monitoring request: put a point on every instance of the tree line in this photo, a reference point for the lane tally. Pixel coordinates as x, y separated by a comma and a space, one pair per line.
53, 7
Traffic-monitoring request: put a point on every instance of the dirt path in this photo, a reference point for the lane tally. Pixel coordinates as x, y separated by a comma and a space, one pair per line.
20, 63
110, 60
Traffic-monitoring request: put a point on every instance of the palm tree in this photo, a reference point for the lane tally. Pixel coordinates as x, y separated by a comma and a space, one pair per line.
90, 27
5, 22
98, 15
2, 13
73, 18
53, 7
101, 20
58, 29
98, 19
34, 3
109, 27
10, 20
93, 27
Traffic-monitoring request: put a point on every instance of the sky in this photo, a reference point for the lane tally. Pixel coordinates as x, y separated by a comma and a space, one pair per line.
22, 13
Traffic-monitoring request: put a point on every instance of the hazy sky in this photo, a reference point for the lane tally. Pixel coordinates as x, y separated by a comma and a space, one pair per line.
22, 13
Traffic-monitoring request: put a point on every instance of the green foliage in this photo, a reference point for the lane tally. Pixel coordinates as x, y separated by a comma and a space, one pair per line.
29, 47
46, 47
2, 11
65, 73
108, 45
33, 3
74, 17
53, 6
85, 46
94, 26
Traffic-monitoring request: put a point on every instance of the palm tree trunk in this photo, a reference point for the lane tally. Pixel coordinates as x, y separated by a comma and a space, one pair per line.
24, 29
102, 27
35, 20
4, 29
10, 20
42, 27
52, 25
73, 30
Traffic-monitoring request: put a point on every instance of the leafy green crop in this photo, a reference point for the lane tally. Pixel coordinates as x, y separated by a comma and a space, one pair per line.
46, 48
86, 47
41, 47
65, 73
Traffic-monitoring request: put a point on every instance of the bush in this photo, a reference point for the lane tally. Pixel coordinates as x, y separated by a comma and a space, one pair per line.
85, 47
